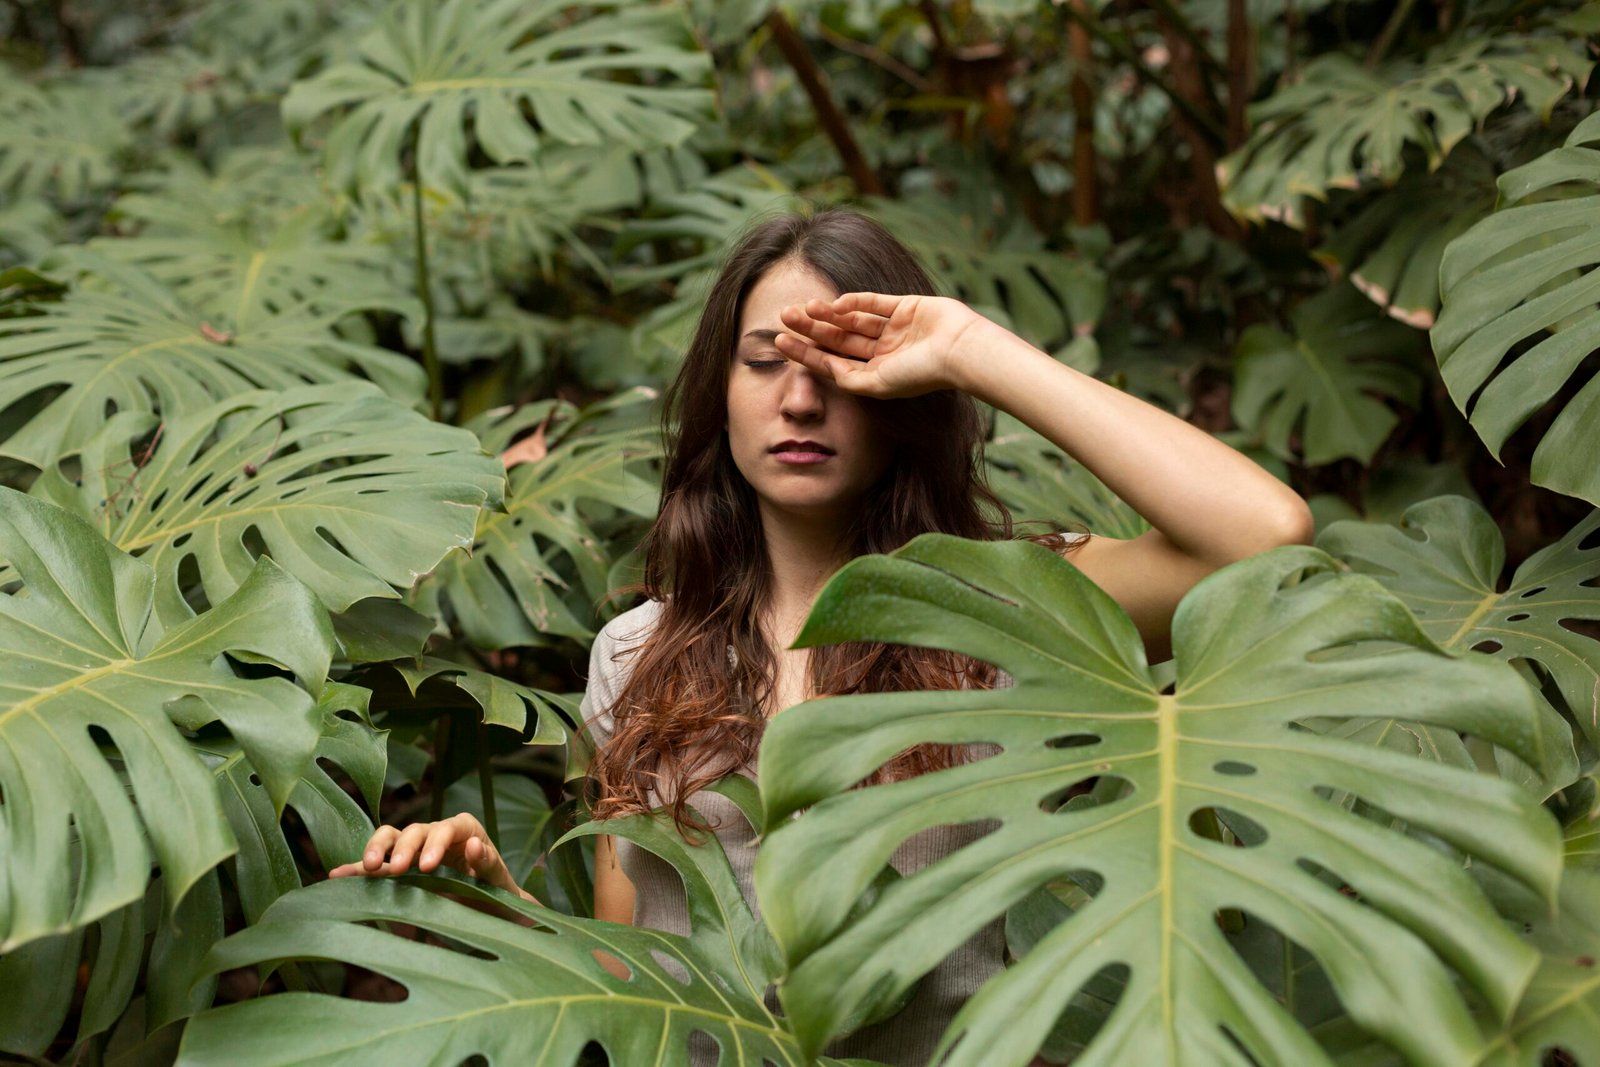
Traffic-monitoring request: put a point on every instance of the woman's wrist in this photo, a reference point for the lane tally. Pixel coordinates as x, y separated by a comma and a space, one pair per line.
984, 357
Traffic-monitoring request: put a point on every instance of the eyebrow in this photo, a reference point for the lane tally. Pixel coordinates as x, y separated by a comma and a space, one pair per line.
767, 336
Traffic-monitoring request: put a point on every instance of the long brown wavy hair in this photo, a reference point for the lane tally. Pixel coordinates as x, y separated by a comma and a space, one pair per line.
690, 712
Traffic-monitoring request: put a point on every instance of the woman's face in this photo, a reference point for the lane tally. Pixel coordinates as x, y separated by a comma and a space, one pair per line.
808, 449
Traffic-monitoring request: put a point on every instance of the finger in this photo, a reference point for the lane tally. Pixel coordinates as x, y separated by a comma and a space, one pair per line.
378, 846
873, 303
346, 869
809, 356
440, 837
471, 854
843, 341
411, 839
851, 375
862, 322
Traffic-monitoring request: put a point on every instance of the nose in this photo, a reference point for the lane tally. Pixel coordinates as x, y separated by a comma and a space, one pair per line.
802, 394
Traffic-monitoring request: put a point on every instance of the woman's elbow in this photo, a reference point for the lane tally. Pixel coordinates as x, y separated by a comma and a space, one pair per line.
1291, 525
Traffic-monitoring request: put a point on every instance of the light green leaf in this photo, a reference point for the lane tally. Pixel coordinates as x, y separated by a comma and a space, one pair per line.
352, 493
538, 570
521, 996
1255, 654
1322, 383
1527, 274
62, 139
84, 654
1445, 559
434, 68
129, 345
1342, 124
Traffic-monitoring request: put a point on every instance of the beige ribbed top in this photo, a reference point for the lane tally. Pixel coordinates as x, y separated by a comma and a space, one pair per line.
659, 904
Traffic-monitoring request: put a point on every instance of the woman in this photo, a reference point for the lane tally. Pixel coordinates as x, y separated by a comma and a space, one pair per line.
825, 409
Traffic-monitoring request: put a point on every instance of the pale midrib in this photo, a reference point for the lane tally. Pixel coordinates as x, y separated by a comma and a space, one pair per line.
1167, 775
1484, 607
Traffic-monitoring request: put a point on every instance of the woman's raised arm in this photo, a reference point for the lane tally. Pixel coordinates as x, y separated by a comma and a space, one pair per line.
1209, 504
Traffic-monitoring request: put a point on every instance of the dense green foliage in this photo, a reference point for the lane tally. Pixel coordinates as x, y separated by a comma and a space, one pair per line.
329, 336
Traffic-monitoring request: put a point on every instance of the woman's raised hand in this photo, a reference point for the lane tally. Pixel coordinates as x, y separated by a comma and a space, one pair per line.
883, 346
460, 842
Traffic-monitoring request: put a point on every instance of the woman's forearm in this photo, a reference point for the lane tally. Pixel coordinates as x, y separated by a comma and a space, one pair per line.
1214, 504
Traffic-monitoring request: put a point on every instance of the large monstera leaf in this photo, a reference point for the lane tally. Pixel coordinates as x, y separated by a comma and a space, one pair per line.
439, 68
1391, 248
126, 343
86, 657
1323, 383
1343, 124
242, 275
354, 494
504, 992
60, 139
538, 569
1527, 273
1445, 558
1393, 920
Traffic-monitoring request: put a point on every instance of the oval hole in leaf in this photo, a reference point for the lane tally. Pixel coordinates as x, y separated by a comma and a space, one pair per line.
673, 967
1077, 795
1073, 741
1237, 829
1233, 767
1535, 591
613, 966
1518, 617
1487, 646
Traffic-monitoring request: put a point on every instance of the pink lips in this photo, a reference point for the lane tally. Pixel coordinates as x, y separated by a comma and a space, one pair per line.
801, 452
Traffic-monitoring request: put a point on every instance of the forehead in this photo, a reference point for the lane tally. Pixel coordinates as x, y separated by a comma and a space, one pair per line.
785, 283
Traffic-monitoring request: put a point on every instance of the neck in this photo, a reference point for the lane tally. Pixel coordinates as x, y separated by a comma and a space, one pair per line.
803, 554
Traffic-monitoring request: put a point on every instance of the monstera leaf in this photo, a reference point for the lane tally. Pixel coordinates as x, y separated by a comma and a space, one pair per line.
265, 866
1394, 920
537, 570
1445, 558
250, 189
1527, 274
1323, 382
242, 268
349, 491
1391, 248
87, 659
59, 139
509, 994
1558, 1010
1343, 124
436, 68
129, 345
176, 90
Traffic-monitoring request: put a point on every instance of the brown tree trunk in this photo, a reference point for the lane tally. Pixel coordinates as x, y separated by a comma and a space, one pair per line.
1241, 71
1189, 81
829, 117
1085, 169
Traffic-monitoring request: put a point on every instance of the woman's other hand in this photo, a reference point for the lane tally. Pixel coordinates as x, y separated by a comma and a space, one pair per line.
460, 842
885, 346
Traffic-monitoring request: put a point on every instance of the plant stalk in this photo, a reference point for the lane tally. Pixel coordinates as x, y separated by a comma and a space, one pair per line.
491, 821
430, 349
1391, 30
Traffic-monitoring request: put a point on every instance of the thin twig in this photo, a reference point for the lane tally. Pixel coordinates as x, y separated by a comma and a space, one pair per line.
1391, 30
880, 58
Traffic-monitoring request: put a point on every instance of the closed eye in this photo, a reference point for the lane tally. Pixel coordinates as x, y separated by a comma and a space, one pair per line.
764, 364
